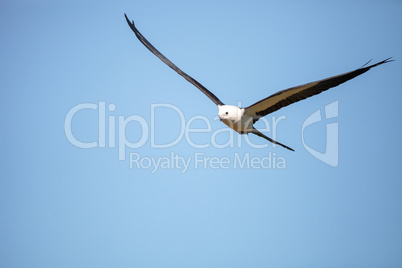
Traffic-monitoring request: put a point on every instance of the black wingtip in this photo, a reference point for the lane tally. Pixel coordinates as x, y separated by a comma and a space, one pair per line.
384, 61
130, 23
376, 64
366, 63
387, 60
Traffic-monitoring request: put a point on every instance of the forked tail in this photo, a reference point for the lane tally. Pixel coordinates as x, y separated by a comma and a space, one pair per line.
256, 132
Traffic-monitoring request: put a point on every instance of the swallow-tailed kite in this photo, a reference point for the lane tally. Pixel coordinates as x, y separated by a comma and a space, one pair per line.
242, 119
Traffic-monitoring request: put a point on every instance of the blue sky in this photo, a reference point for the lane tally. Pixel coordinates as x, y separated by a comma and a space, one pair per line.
65, 206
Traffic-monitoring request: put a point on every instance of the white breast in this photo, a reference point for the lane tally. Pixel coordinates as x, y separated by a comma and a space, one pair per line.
235, 118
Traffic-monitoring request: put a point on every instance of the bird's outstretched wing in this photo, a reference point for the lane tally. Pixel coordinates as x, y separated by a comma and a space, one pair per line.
288, 96
151, 48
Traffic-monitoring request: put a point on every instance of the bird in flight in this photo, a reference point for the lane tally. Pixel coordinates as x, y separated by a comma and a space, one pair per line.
241, 120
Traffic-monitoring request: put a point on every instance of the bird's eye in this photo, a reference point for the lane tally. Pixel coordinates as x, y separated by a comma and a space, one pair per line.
226, 112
